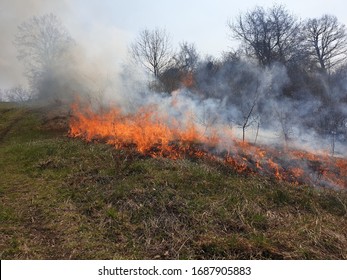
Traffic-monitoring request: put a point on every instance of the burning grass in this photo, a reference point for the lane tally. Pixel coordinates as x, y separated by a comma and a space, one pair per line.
156, 135
64, 198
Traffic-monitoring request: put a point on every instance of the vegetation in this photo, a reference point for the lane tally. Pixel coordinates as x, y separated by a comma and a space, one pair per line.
286, 75
63, 198
304, 60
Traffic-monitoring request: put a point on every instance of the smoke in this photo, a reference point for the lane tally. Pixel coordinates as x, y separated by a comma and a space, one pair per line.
237, 94
208, 122
233, 94
12, 13
91, 65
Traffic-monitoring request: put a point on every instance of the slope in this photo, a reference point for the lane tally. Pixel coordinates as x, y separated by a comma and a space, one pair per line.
63, 198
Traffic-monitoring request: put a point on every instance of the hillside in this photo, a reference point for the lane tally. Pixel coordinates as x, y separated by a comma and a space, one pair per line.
64, 198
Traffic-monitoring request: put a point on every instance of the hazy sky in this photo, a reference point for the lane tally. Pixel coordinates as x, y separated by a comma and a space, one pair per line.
108, 26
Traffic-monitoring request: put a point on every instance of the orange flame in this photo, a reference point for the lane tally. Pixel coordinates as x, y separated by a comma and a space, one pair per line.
154, 134
149, 132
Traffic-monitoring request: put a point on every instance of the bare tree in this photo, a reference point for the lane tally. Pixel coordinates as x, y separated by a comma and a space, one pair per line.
268, 36
40, 42
152, 49
286, 130
326, 41
248, 112
247, 93
285, 29
248, 119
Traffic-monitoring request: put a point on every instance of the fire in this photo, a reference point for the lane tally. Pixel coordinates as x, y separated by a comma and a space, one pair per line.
275, 168
158, 135
149, 132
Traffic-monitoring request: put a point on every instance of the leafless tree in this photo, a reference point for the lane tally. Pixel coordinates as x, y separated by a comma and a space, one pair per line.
286, 129
268, 36
41, 41
326, 41
152, 49
248, 113
247, 100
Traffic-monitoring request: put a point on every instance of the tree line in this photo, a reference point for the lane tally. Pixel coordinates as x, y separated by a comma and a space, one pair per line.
316, 45
311, 52
308, 58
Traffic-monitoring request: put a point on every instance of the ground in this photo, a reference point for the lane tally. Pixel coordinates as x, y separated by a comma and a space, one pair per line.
63, 198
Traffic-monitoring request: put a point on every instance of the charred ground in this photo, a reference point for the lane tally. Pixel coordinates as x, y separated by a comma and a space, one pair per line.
63, 198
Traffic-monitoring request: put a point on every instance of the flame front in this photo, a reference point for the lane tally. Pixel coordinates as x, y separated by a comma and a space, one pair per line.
149, 132
158, 135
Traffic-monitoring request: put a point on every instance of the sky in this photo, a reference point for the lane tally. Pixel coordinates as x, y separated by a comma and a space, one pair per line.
109, 26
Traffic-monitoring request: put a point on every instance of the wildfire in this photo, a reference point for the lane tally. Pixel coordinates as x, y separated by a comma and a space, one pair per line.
158, 135
148, 132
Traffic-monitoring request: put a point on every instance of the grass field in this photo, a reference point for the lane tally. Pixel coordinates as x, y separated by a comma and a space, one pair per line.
63, 198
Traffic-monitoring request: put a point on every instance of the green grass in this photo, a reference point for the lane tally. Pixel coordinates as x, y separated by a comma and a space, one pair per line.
62, 198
